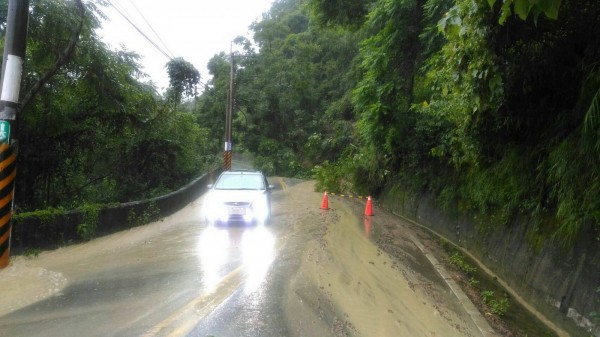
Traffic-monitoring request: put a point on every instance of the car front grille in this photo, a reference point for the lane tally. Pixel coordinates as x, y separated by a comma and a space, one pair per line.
237, 204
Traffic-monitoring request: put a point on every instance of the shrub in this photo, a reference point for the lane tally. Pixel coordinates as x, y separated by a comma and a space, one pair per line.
149, 214
87, 229
458, 260
497, 307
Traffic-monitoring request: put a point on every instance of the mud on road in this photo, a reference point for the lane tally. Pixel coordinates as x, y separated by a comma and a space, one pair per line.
334, 274
346, 285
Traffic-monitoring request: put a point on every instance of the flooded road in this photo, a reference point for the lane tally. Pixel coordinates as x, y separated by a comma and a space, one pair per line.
309, 272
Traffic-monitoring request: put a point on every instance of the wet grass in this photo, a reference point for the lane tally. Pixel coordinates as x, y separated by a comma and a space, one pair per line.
519, 319
501, 310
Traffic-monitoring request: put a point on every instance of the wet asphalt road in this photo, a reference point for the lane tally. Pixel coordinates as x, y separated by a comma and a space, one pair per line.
191, 280
181, 278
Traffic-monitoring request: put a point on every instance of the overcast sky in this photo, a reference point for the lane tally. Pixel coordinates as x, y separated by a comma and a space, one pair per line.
193, 29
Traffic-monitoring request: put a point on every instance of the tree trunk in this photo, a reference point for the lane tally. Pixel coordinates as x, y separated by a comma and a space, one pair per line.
62, 59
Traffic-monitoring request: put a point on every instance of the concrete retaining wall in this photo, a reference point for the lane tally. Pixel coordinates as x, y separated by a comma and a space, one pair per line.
561, 284
35, 233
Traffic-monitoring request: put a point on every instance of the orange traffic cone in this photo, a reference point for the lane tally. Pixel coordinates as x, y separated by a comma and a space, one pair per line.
369, 207
325, 202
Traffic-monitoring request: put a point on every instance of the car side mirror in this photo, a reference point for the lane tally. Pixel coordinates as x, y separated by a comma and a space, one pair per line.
271, 187
209, 186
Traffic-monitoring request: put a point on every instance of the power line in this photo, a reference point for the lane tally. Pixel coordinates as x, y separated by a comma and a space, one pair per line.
152, 28
121, 12
168, 54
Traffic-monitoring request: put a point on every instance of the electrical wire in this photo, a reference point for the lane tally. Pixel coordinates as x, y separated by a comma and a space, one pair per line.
152, 29
123, 13
168, 54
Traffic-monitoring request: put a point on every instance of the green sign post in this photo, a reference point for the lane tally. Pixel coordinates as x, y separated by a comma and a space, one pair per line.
4, 132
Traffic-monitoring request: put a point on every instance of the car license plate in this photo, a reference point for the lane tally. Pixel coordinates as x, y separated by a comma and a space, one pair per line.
237, 211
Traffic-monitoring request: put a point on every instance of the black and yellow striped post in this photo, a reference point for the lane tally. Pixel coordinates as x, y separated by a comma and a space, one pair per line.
227, 160
8, 173
10, 84
227, 156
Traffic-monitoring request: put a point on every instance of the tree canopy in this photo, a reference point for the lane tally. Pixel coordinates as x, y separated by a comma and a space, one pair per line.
489, 105
492, 106
500, 108
183, 79
91, 129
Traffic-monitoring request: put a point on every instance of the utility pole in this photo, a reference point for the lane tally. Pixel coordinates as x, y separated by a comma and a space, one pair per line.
10, 84
227, 156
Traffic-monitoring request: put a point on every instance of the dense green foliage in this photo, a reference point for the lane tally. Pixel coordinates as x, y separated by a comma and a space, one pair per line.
92, 130
500, 115
183, 78
292, 104
490, 105
513, 95
493, 106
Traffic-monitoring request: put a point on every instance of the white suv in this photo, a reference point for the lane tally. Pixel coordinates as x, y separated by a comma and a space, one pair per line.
239, 196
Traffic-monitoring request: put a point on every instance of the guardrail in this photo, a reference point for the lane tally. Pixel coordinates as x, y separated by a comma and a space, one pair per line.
57, 230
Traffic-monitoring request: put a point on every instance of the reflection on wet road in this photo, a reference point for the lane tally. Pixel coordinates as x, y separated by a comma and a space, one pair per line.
230, 259
157, 280
257, 255
246, 306
256, 249
309, 272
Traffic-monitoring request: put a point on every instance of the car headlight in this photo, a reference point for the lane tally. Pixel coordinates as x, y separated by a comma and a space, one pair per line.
221, 212
260, 208
216, 211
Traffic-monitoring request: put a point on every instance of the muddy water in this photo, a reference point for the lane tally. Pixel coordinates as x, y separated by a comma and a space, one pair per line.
346, 283
31, 280
334, 281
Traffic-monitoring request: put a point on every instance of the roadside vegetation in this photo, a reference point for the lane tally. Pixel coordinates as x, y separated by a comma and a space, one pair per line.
483, 119
492, 108
505, 314
93, 129
491, 105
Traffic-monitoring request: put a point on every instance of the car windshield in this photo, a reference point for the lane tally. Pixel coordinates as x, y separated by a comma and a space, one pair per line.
240, 182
